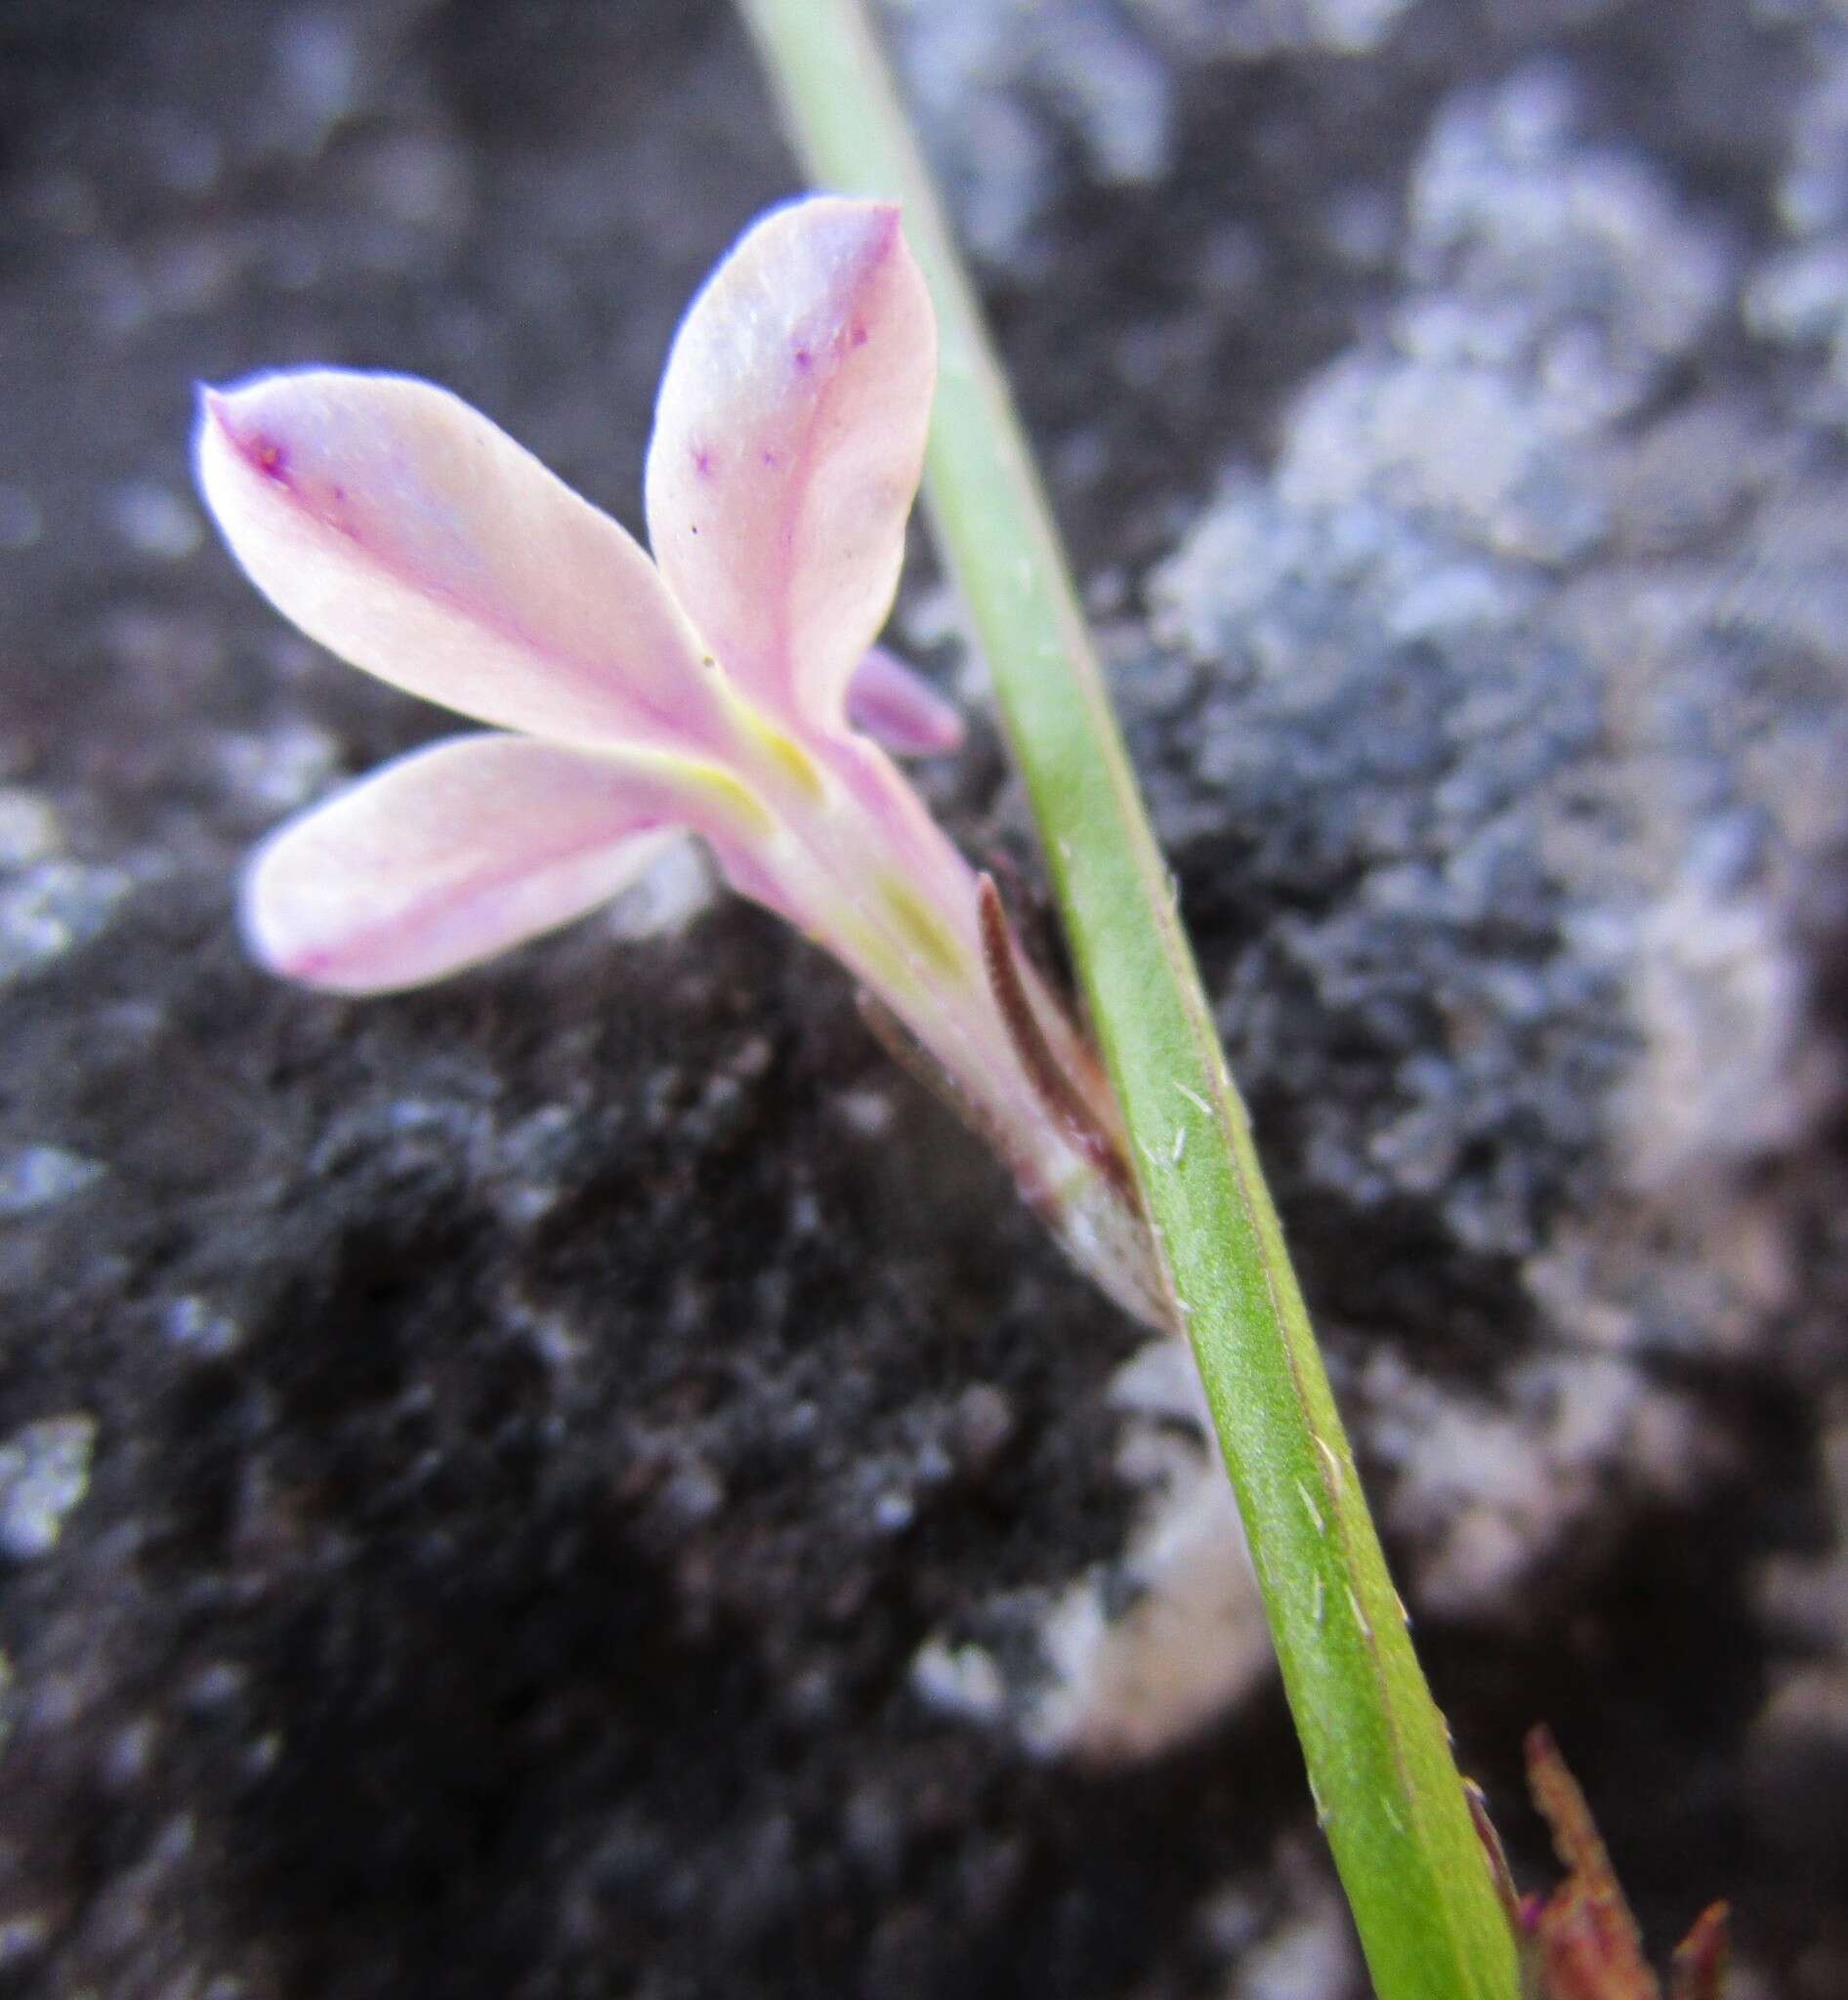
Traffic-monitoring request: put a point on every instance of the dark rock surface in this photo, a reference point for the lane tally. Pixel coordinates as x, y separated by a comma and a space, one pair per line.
571, 1483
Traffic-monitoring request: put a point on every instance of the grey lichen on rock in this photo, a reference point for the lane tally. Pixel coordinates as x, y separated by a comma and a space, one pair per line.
1484, 662
44, 1473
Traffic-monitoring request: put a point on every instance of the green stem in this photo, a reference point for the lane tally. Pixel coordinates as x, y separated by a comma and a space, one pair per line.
1388, 1794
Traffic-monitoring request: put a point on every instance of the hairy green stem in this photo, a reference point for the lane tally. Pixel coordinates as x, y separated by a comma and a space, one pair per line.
1387, 1793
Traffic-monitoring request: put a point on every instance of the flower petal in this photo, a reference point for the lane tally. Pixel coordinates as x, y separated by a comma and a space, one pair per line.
405, 532
899, 709
447, 856
789, 442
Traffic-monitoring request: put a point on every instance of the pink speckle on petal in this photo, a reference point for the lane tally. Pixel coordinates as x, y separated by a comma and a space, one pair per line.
804, 361
702, 460
860, 336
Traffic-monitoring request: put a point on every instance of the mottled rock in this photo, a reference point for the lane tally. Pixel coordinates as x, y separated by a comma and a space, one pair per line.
1003, 85
1140, 1654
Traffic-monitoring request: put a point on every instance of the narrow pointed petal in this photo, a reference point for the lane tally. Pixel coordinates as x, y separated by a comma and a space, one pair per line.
899, 709
405, 532
447, 856
788, 442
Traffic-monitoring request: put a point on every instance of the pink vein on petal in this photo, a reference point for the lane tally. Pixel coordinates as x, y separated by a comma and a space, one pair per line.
405, 532
811, 352
447, 857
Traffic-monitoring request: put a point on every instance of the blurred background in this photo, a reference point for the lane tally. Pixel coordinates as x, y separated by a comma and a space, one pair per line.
583, 1481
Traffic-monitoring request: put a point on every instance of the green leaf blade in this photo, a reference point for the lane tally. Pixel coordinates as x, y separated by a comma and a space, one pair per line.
1388, 1794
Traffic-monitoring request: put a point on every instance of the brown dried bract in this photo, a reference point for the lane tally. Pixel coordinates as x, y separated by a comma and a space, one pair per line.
1062, 1097
1582, 1943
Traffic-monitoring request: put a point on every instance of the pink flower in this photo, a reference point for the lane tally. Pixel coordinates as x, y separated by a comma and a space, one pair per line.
734, 690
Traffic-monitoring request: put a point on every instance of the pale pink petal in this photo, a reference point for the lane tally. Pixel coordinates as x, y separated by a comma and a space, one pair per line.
447, 856
788, 440
900, 709
405, 532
